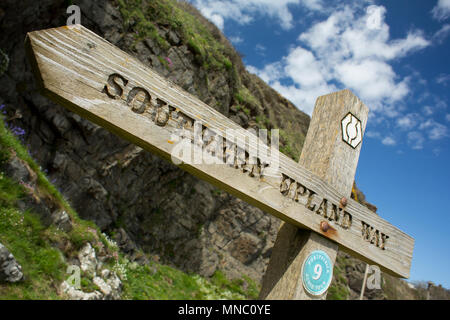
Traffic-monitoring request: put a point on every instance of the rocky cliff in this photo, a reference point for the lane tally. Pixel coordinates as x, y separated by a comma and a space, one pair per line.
141, 201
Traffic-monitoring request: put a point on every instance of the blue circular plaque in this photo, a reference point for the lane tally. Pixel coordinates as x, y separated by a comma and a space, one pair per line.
317, 272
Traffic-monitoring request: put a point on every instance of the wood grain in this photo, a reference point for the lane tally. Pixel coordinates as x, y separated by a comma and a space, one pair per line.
72, 66
325, 154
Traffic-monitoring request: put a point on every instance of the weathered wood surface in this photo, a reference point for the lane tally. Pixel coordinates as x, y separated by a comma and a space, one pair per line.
327, 155
283, 279
86, 74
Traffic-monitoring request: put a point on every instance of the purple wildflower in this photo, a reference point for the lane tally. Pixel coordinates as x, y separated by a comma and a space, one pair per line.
169, 61
17, 131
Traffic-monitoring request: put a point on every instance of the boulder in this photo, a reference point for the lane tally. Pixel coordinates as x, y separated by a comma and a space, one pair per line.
10, 269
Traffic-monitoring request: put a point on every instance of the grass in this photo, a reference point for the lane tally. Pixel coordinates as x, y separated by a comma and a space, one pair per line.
141, 17
244, 96
23, 234
338, 289
262, 121
42, 251
287, 146
156, 281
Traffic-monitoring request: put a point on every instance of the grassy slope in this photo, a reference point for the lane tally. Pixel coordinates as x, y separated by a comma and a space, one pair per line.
43, 252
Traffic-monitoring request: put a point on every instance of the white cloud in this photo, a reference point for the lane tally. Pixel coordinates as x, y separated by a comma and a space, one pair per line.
243, 12
236, 39
270, 72
260, 49
416, 140
443, 79
315, 5
305, 98
373, 80
408, 121
428, 111
447, 117
372, 134
442, 33
388, 141
345, 50
302, 67
442, 10
217, 20
434, 129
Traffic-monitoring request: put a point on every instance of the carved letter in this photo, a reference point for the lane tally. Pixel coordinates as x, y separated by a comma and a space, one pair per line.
374, 237
383, 239
292, 193
230, 149
301, 191
138, 99
322, 210
285, 184
346, 220
365, 230
309, 202
116, 86
241, 159
335, 213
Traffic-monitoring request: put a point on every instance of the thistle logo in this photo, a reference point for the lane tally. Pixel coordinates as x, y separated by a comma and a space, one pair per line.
351, 130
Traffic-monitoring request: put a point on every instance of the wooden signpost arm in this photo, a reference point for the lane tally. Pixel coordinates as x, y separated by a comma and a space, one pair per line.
326, 154
91, 77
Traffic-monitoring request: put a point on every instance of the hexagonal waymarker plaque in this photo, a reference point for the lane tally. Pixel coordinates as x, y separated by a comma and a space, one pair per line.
351, 130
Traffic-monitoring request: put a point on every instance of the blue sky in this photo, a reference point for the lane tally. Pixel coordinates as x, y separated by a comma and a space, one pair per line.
394, 55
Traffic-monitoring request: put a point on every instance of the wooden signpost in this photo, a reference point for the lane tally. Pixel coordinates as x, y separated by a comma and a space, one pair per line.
91, 77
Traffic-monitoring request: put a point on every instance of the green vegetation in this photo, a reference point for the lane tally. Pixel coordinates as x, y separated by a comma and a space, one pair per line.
262, 121
135, 17
338, 289
22, 233
155, 281
245, 286
42, 251
287, 145
244, 96
141, 17
164, 62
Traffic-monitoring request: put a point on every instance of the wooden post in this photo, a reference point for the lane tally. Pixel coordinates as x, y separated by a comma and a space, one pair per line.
328, 155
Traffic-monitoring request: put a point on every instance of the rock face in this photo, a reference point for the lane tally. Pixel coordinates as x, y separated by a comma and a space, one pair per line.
10, 270
75, 294
88, 260
108, 282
